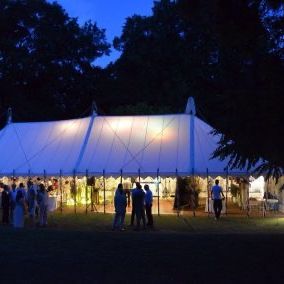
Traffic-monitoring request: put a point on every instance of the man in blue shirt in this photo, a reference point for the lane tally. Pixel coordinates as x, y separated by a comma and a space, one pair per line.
148, 205
217, 196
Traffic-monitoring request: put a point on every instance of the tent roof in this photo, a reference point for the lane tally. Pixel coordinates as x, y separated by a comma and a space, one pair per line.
112, 145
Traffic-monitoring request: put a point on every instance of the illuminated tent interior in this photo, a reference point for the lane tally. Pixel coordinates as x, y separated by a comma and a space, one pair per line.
156, 148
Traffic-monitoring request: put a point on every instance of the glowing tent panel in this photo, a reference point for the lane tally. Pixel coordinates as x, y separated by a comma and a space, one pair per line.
112, 144
35, 148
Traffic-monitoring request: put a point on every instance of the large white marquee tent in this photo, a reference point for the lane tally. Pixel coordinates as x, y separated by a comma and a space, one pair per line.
111, 145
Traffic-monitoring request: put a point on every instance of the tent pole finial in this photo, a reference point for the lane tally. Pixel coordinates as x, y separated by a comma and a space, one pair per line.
94, 110
190, 106
9, 115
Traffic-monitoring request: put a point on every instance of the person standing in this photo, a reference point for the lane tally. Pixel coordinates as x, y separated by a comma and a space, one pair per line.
133, 193
42, 199
138, 202
36, 184
148, 205
120, 203
22, 188
31, 201
217, 196
5, 204
19, 210
13, 194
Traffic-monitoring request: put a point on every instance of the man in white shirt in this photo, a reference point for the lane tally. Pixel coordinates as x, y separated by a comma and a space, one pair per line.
217, 196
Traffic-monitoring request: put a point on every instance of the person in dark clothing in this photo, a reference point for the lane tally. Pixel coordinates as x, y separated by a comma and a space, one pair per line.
217, 196
120, 203
5, 205
12, 195
133, 191
138, 198
148, 205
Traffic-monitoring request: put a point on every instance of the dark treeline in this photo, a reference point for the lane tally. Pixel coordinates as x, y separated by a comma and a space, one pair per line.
46, 60
228, 54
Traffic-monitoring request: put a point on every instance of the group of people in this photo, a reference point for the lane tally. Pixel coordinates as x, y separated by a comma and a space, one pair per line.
17, 201
141, 201
33, 199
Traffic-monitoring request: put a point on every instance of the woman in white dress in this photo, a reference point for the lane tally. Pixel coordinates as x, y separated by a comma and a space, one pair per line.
19, 211
42, 199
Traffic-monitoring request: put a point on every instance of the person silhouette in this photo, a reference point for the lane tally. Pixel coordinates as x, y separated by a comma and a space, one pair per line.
217, 196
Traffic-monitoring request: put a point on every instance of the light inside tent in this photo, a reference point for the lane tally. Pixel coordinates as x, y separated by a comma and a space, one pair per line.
157, 128
123, 123
67, 128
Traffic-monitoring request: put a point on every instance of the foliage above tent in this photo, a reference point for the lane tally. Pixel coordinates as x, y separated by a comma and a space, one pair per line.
227, 54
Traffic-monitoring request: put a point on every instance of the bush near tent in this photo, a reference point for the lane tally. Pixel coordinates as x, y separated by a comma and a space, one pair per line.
235, 190
187, 193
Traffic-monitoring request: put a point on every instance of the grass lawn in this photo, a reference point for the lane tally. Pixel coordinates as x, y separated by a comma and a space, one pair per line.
83, 249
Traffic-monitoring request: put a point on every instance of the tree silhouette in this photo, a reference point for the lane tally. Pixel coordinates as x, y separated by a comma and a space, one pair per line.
46, 60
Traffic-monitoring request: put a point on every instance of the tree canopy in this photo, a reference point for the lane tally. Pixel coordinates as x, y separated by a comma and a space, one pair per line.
227, 54
46, 60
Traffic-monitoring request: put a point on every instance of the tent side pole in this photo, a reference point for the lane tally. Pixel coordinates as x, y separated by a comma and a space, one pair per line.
75, 192
227, 187
93, 187
265, 205
158, 189
248, 205
86, 192
208, 192
121, 183
104, 182
177, 193
44, 178
139, 175
61, 193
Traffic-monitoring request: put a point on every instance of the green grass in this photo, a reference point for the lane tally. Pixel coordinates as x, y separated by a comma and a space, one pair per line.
83, 249
172, 223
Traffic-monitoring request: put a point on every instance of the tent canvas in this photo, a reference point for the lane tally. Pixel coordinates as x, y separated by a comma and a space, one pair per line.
167, 144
